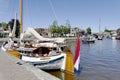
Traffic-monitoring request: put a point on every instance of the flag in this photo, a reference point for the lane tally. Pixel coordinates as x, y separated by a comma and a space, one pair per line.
77, 57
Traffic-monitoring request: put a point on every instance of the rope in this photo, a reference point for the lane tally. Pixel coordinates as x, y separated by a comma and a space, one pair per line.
53, 9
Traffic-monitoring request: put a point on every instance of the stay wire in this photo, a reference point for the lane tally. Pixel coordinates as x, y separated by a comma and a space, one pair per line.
51, 5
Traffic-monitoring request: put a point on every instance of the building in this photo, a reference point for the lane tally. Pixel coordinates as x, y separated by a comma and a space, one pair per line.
3, 33
75, 32
43, 32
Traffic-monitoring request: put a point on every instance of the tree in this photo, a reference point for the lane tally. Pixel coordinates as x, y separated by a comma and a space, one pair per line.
88, 30
118, 31
4, 25
106, 30
53, 28
66, 30
63, 30
60, 30
68, 25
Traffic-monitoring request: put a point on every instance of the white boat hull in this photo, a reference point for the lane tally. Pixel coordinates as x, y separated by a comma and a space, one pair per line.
52, 65
113, 38
47, 63
2, 48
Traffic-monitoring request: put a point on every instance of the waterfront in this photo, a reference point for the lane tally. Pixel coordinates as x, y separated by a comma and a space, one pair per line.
99, 61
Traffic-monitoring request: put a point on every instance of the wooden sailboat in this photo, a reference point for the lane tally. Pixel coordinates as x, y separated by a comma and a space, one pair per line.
45, 55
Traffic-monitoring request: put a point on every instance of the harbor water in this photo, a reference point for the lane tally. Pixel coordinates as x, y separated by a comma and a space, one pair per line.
99, 61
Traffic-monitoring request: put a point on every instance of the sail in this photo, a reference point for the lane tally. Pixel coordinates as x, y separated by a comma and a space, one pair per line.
12, 32
31, 32
77, 57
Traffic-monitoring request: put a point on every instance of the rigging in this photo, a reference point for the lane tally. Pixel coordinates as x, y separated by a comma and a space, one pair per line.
53, 9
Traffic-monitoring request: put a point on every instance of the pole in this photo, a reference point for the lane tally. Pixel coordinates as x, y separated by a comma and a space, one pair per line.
21, 23
99, 25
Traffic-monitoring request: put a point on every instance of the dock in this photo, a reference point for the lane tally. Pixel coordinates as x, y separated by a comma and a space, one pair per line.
12, 68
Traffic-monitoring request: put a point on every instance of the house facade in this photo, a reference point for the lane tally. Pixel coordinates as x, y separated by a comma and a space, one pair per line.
3, 33
43, 32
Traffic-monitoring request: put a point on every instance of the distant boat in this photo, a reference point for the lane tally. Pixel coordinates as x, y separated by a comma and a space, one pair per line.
118, 37
114, 36
88, 39
100, 37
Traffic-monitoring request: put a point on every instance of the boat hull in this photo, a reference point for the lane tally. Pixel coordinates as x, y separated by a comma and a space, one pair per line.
99, 38
47, 63
88, 41
52, 65
3, 48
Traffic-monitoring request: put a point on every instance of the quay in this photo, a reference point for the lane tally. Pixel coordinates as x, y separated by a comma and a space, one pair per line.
11, 70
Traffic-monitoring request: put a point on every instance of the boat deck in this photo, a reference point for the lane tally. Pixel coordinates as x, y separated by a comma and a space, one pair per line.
25, 49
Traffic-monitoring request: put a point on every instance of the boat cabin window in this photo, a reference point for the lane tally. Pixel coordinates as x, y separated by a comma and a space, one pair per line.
54, 49
15, 42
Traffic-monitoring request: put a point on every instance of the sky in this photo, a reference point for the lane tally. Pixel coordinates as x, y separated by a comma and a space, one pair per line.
80, 13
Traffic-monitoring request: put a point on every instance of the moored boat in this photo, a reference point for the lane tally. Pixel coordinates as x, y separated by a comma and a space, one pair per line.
100, 38
114, 36
88, 39
45, 53
118, 37
47, 56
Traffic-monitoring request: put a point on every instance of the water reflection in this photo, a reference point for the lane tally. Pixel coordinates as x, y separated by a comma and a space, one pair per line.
62, 75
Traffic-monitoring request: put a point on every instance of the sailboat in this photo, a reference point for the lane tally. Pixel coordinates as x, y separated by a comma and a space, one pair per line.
100, 37
44, 55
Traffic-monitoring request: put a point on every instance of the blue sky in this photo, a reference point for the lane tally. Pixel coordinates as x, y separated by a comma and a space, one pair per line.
80, 13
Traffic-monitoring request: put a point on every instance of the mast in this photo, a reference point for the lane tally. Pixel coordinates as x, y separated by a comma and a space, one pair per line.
21, 22
99, 25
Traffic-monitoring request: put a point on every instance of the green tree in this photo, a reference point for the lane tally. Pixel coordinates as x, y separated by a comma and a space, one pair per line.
68, 26
118, 31
65, 29
53, 28
4, 25
88, 30
106, 30
60, 30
